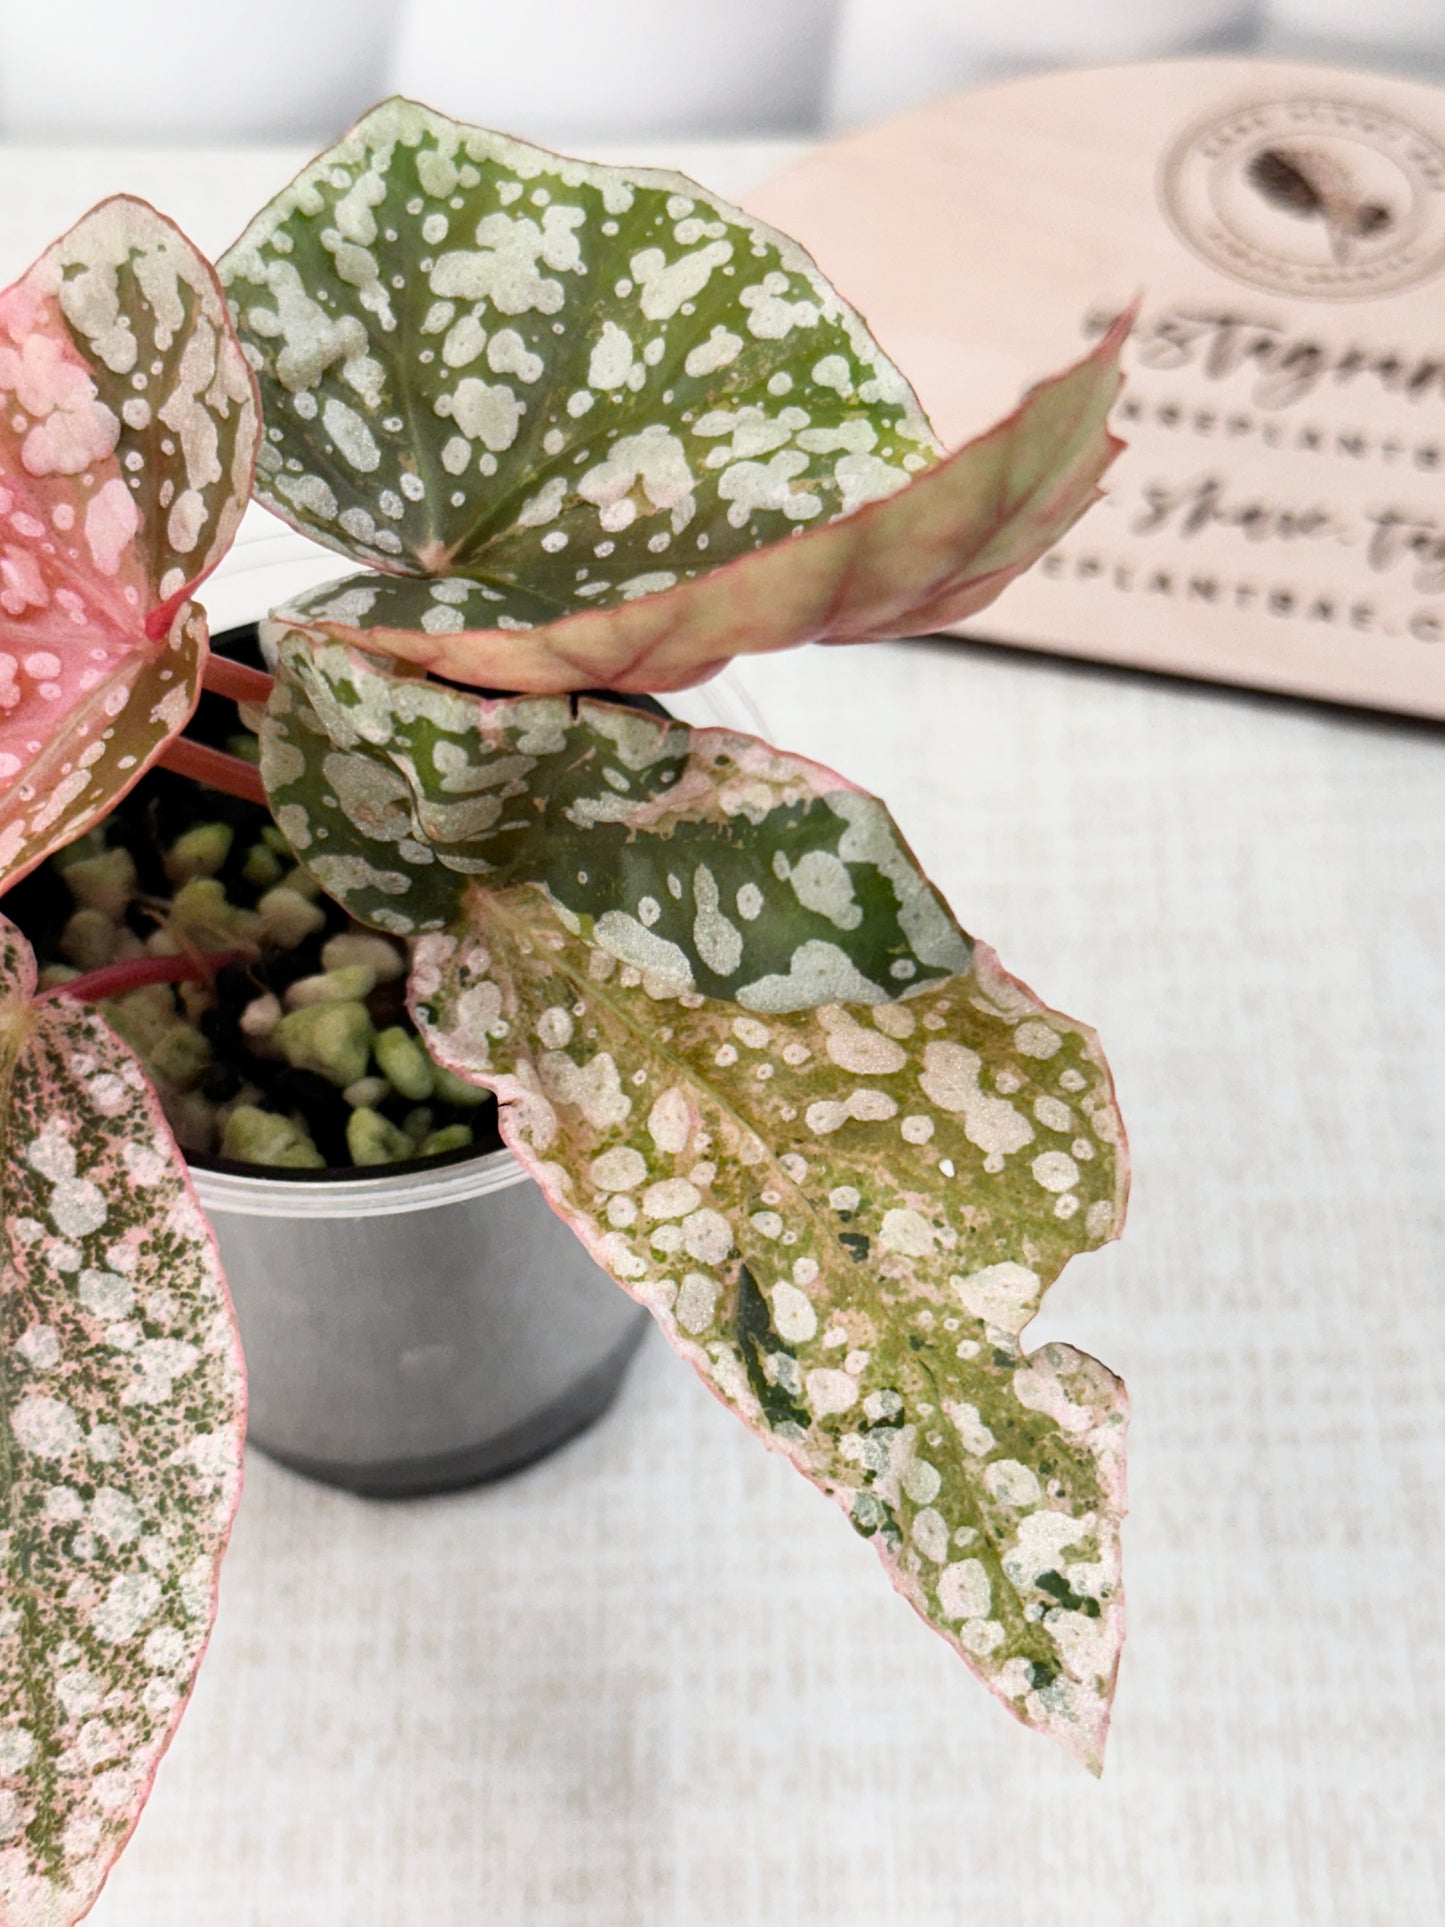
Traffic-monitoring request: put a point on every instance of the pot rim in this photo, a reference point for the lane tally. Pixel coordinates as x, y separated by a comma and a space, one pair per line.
300, 1194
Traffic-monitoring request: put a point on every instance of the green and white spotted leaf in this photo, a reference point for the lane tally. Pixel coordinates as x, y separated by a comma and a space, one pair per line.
597, 427
676, 956
707, 858
843, 1217
122, 1410
128, 429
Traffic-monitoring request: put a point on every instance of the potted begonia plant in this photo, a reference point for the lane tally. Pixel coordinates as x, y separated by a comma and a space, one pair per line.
583, 428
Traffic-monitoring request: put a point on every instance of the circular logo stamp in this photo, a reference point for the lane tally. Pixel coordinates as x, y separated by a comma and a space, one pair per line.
1310, 196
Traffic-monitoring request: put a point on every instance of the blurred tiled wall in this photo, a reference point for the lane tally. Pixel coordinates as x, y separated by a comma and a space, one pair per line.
154, 71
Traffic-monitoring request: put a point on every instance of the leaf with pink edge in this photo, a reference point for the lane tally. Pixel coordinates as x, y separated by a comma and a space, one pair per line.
676, 956
843, 1217
122, 1414
598, 428
128, 429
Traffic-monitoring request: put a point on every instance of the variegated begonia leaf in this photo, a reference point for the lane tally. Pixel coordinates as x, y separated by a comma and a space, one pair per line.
597, 427
397, 793
128, 429
122, 1414
843, 1204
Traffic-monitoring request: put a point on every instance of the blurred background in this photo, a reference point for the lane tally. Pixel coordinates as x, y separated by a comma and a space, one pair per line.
571, 71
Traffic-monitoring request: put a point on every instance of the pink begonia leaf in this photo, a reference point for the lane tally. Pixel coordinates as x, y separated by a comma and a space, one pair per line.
595, 427
758, 1068
122, 1416
128, 429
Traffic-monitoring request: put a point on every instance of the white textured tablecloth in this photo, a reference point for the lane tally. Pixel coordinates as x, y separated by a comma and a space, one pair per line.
657, 1682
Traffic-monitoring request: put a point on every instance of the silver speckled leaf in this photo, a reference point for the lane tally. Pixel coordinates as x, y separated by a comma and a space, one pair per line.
704, 856
128, 430
122, 1405
843, 1217
599, 428
677, 956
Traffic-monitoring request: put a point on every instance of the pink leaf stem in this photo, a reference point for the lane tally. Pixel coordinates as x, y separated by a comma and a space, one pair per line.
114, 980
213, 766
222, 677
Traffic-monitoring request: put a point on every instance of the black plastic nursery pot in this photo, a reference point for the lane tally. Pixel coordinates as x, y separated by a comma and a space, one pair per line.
409, 1328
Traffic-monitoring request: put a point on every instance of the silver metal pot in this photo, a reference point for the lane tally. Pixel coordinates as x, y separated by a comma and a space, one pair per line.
418, 1331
